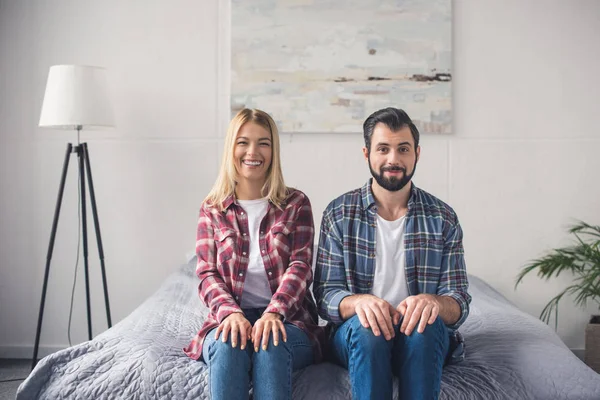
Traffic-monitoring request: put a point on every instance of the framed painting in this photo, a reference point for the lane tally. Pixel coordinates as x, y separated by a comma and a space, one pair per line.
325, 65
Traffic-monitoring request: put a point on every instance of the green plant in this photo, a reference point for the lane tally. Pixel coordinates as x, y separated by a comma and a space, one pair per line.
581, 259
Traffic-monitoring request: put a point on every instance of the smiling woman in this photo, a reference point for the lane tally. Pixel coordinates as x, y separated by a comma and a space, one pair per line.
250, 136
254, 249
252, 156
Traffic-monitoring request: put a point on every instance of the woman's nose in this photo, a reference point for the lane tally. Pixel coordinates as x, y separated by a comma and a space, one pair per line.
252, 148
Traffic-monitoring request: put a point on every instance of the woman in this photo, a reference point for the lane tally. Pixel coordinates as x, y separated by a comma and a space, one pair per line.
254, 247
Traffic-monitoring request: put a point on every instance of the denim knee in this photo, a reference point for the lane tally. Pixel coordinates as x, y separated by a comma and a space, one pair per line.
282, 349
436, 330
363, 338
225, 353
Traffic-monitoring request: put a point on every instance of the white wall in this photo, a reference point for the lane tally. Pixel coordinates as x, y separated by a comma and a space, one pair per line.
519, 168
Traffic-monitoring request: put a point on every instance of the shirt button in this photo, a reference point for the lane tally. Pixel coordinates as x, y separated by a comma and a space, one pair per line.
242, 213
241, 274
244, 253
270, 273
372, 255
264, 251
244, 233
237, 298
262, 233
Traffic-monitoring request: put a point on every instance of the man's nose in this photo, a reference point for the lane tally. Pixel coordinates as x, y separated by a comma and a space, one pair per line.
393, 157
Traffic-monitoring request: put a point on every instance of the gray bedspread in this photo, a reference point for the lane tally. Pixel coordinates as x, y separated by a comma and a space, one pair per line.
510, 355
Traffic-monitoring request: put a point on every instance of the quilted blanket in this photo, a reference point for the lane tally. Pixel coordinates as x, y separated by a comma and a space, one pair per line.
510, 355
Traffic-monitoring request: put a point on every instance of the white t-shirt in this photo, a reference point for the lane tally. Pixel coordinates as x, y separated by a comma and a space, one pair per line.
257, 292
390, 261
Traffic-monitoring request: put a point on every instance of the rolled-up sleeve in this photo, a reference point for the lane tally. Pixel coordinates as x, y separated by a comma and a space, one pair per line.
330, 286
453, 274
212, 288
298, 275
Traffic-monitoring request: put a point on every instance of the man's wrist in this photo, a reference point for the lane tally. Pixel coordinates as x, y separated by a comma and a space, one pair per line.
347, 306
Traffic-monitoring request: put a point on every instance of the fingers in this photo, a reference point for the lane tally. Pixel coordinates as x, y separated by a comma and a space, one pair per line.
265, 336
226, 328
425, 315
234, 334
362, 317
243, 336
256, 334
395, 316
275, 331
414, 318
434, 314
283, 331
372, 319
263, 329
384, 323
218, 330
407, 315
388, 327
402, 308
238, 326
378, 315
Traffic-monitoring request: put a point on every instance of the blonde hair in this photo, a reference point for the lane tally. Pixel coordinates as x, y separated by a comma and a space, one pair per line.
226, 180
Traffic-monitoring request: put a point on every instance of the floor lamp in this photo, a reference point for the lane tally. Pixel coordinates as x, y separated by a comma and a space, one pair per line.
76, 98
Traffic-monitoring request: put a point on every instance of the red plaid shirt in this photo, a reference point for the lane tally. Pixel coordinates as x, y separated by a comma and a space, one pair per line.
286, 244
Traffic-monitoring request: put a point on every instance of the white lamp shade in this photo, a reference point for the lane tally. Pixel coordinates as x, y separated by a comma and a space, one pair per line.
76, 96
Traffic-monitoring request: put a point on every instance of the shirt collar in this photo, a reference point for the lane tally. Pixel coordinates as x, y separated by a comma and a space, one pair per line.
231, 199
368, 200
366, 192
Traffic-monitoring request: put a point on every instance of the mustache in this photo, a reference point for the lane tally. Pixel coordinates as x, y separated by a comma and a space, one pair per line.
393, 168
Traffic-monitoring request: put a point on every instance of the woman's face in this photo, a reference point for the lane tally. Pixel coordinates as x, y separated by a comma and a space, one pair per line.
252, 153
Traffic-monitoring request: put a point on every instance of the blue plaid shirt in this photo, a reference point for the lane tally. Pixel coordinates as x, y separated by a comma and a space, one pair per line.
434, 254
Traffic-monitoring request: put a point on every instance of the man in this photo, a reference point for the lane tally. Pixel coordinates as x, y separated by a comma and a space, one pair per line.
390, 274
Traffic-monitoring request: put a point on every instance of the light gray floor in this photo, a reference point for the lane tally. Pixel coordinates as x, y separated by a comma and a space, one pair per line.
12, 369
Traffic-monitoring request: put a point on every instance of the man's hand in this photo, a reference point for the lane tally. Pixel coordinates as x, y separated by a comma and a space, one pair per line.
237, 324
421, 309
269, 322
372, 312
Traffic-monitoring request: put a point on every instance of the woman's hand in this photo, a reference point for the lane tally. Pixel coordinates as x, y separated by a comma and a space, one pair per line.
269, 322
237, 324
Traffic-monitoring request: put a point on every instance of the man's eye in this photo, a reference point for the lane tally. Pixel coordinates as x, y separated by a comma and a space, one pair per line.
404, 149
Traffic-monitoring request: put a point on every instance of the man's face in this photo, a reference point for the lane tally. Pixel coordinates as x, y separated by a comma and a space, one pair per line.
392, 158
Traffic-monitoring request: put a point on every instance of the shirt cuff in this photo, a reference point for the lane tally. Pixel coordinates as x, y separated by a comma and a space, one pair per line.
272, 308
225, 310
333, 306
464, 309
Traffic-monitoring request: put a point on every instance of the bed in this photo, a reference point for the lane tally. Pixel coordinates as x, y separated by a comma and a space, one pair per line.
510, 355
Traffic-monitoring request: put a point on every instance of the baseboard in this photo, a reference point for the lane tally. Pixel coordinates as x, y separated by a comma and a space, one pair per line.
579, 353
26, 352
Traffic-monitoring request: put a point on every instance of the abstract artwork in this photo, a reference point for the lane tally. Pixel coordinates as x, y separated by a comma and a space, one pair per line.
324, 65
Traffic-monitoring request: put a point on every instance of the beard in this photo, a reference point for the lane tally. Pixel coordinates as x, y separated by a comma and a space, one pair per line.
392, 184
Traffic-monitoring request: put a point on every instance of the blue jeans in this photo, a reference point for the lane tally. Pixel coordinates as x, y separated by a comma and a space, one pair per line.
230, 368
417, 360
